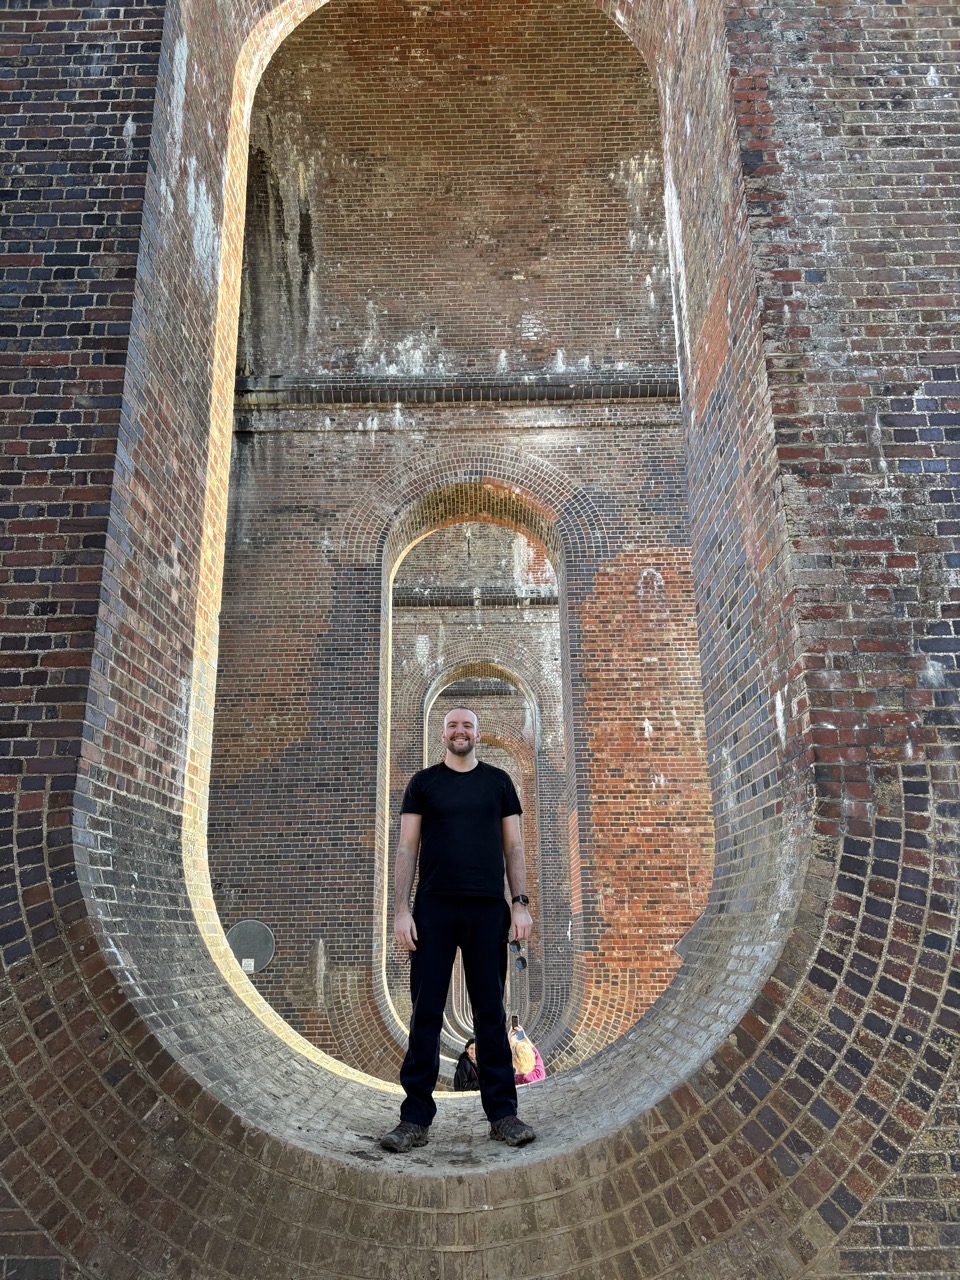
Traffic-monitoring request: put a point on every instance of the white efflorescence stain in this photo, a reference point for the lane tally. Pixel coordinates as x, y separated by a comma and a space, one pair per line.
371, 337
652, 591
934, 675
178, 96
781, 718
206, 237
129, 133
671, 202
875, 434
531, 326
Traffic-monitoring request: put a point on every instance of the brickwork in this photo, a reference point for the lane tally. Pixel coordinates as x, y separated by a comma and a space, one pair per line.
912, 1228
294, 807
787, 1107
653, 860
423, 205
78, 96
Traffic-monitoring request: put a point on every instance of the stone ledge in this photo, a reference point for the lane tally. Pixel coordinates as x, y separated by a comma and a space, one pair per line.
276, 394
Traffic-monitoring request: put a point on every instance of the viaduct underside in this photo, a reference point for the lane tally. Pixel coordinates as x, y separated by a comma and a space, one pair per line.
597, 363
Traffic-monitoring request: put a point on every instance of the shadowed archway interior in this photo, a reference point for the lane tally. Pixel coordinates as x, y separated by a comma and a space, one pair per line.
351, 291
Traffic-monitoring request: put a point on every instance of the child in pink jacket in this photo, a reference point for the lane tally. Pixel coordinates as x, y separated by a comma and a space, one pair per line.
527, 1063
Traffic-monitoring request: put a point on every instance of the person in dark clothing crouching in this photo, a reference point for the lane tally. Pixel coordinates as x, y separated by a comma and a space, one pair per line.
460, 820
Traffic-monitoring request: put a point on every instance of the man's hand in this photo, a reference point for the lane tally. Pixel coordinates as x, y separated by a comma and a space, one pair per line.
405, 931
522, 923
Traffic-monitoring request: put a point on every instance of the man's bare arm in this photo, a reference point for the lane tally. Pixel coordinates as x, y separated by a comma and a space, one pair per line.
516, 875
408, 848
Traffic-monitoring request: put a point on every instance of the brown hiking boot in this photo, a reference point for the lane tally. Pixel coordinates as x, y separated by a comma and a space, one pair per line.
405, 1136
512, 1131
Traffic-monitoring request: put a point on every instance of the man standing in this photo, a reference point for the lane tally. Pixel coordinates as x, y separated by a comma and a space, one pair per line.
461, 820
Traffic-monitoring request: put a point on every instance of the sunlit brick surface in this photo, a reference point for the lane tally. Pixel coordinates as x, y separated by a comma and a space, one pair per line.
787, 1107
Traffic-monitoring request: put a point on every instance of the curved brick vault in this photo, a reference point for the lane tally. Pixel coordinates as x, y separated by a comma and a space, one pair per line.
787, 1108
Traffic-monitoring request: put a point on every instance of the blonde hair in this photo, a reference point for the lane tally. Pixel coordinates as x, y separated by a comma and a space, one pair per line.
523, 1057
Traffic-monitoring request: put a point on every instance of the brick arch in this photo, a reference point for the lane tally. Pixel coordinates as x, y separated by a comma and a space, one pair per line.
504, 485
422, 693
522, 755
768, 1142
509, 506
602, 976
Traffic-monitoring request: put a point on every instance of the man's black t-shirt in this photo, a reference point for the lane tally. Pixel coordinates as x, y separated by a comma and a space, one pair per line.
461, 836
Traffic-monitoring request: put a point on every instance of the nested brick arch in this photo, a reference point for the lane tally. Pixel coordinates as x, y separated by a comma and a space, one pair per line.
266, 1048
464, 659
518, 747
476, 485
493, 728
144, 1100
629, 864
517, 754
503, 484
550, 984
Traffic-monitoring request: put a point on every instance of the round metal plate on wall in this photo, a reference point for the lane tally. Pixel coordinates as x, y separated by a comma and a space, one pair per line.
253, 943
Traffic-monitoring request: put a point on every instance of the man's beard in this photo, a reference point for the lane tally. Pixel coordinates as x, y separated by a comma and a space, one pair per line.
460, 747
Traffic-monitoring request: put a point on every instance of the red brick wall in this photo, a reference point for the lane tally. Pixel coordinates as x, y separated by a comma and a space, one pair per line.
78, 96
652, 852
862, 375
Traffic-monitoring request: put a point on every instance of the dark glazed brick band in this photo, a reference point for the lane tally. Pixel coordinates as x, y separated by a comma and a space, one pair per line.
251, 397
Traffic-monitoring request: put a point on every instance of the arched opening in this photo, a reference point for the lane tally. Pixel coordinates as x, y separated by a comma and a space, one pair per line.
607, 488
475, 615
754, 856
337, 309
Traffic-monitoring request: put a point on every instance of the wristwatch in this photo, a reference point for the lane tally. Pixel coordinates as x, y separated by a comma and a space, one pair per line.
522, 899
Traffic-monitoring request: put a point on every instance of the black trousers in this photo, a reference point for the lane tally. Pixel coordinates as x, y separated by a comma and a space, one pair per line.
479, 927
